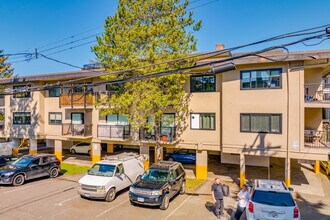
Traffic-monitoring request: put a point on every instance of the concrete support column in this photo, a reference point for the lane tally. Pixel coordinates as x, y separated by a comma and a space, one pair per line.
33, 148
58, 149
242, 170
160, 152
317, 167
288, 172
16, 145
201, 164
96, 152
144, 150
110, 148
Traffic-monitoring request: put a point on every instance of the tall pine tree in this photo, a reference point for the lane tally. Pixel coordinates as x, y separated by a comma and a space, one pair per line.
146, 32
5, 72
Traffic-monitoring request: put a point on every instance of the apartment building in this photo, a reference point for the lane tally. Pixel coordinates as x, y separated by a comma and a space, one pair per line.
259, 110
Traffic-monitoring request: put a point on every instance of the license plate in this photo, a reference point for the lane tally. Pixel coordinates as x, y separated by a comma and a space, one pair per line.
140, 199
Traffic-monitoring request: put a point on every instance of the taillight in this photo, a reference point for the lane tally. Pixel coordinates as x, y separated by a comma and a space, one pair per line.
250, 206
296, 212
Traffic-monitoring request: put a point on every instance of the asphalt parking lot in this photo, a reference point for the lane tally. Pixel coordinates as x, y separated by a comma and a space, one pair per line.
58, 199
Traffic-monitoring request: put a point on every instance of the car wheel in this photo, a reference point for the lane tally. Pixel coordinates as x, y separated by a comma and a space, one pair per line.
54, 172
165, 203
111, 195
73, 151
89, 152
183, 188
170, 159
18, 180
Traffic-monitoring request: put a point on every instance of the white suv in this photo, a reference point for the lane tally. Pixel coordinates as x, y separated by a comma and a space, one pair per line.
271, 199
111, 175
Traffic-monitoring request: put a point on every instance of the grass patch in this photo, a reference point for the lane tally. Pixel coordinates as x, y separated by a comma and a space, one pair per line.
193, 183
73, 169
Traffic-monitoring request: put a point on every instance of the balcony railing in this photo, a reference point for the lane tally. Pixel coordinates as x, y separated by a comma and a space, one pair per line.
83, 130
113, 131
317, 92
103, 97
167, 134
2, 102
78, 100
317, 139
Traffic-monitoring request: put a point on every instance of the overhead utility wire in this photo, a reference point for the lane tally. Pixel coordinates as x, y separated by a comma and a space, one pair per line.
179, 70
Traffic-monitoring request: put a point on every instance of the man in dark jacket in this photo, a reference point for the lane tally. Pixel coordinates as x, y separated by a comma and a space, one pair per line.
217, 194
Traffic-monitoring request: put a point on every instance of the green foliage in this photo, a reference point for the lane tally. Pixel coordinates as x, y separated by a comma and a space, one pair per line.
67, 168
5, 70
148, 32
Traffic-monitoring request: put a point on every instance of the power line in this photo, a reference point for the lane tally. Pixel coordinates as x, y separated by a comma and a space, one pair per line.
178, 70
202, 5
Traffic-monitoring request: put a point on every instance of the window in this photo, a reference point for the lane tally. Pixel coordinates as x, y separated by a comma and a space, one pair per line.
23, 118
117, 119
55, 118
202, 121
261, 79
54, 92
77, 118
202, 84
268, 123
23, 94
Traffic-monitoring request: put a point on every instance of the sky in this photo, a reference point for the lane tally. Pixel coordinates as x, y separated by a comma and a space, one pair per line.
45, 24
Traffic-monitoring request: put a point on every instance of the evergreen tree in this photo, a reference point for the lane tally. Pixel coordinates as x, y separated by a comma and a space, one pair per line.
5, 72
147, 32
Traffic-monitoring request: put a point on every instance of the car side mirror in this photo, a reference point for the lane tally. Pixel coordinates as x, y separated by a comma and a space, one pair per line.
291, 189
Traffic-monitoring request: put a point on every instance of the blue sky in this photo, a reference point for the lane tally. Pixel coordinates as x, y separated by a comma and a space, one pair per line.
26, 25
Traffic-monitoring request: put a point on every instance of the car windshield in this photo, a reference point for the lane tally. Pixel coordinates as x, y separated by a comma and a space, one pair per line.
102, 170
155, 175
273, 198
22, 162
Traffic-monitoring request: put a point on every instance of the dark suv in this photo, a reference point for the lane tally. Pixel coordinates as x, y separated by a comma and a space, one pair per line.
30, 167
159, 184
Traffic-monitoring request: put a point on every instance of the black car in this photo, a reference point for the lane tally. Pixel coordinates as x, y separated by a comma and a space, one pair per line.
30, 167
159, 184
7, 159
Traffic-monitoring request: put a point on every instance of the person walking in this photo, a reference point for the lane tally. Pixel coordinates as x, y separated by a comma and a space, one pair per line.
217, 194
243, 197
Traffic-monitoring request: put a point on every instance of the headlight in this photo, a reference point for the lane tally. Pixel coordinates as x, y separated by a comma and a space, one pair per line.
132, 190
100, 189
8, 174
156, 192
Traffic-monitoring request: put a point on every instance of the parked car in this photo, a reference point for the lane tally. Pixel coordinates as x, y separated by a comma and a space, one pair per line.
7, 159
271, 199
30, 167
182, 156
81, 148
159, 184
109, 176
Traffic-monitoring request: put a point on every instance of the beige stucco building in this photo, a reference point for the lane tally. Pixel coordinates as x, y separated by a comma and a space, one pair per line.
261, 109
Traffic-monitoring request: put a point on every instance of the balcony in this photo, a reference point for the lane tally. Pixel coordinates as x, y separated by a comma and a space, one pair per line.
76, 100
77, 130
167, 134
113, 131
103, 98
317, 93
317, 139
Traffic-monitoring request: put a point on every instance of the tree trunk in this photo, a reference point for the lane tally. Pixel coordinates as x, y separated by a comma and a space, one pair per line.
158, 150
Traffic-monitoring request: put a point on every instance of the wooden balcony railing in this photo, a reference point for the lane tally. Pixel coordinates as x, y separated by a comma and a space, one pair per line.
83, 130
113, 131
80, 100
317, 139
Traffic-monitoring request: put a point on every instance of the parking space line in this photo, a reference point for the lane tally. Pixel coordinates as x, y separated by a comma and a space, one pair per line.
111, 208
25, 187
65, 201
177, 208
